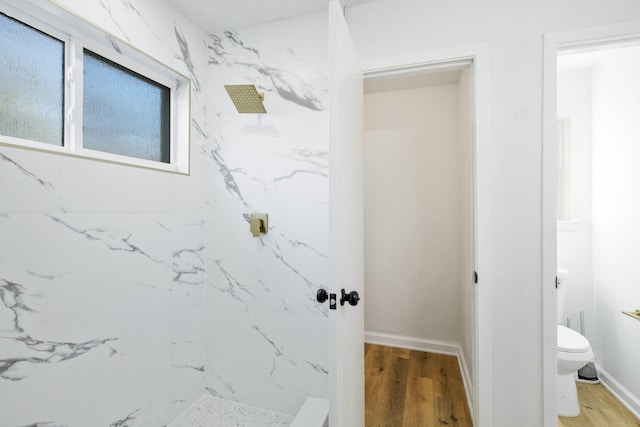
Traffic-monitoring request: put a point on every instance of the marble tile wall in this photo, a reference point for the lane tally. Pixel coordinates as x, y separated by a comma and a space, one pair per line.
266, 334
127, 293
102, 266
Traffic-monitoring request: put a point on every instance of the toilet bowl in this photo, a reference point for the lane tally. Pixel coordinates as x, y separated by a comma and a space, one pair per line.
574, 352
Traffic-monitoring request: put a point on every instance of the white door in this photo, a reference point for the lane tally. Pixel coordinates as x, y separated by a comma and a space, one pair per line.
346, 258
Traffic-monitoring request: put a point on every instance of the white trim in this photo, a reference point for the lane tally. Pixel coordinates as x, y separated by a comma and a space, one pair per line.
428, 346
466, 377
424, 60
631, 402
478, 56
549, 236
412, 343
483, 336
553, 43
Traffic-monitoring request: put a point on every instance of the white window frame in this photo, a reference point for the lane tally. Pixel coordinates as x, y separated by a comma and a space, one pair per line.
78, 34
563, 174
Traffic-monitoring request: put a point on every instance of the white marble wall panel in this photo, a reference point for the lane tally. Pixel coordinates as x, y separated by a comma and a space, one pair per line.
267, 336
102, 266
278, 358
54, 184
90, 296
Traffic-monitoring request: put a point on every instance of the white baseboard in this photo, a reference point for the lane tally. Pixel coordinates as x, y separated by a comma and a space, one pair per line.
399, 341
466, 378
631, 402
430, 346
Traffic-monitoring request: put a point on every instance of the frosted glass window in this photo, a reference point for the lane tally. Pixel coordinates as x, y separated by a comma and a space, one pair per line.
31, 83
124, 112
117, 105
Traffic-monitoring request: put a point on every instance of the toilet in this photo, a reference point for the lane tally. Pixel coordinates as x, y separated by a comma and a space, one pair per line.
574, 351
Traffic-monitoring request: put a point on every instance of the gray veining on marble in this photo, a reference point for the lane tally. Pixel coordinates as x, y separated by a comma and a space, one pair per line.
233, 287
41, 353
229, 392
198, 128
47, 185
114, 44
45, 276
229, 181
115, 240
299, 244
185, 56
129, 5
316, 162
44, 424
106, 5
195, 368
188, 265
317, 367
128, 421
279, 355
230, 50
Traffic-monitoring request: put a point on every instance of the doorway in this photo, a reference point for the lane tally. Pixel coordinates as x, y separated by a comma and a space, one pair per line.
421, 228
591, 88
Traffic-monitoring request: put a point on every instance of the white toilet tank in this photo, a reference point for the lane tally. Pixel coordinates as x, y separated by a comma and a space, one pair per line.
563, 277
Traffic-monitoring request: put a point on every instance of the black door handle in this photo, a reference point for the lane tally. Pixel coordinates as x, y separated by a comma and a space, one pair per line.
322, 295
351, 297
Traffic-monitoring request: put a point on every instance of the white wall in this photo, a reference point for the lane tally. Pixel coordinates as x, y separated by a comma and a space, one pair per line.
102, 266
574, 241
616, 230
413, 213
513, 33
266, 334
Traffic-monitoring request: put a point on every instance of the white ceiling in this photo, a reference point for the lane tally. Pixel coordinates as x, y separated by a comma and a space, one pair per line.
213, 16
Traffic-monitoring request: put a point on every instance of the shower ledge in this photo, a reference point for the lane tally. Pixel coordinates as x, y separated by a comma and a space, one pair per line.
212, 411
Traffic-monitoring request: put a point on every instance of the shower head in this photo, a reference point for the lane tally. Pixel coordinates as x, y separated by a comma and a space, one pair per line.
246, 98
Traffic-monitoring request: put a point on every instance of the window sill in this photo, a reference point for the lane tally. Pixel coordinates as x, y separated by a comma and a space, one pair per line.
181, 169
567, 225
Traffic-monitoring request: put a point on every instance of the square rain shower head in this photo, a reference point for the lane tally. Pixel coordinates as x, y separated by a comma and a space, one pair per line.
246, 98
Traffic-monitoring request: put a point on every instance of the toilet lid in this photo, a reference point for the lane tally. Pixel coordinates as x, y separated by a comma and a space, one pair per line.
571, 341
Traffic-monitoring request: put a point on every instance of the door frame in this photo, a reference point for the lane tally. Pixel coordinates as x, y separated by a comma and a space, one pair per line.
554, 43
477, 56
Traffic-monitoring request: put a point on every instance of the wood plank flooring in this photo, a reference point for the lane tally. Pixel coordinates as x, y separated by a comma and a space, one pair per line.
599, 408
408, 388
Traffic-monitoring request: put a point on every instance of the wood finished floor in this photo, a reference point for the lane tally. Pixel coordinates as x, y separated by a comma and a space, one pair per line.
599, 408
409, 388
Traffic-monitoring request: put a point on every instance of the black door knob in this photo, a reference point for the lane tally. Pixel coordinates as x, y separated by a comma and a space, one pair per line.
322, 295
352, 297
